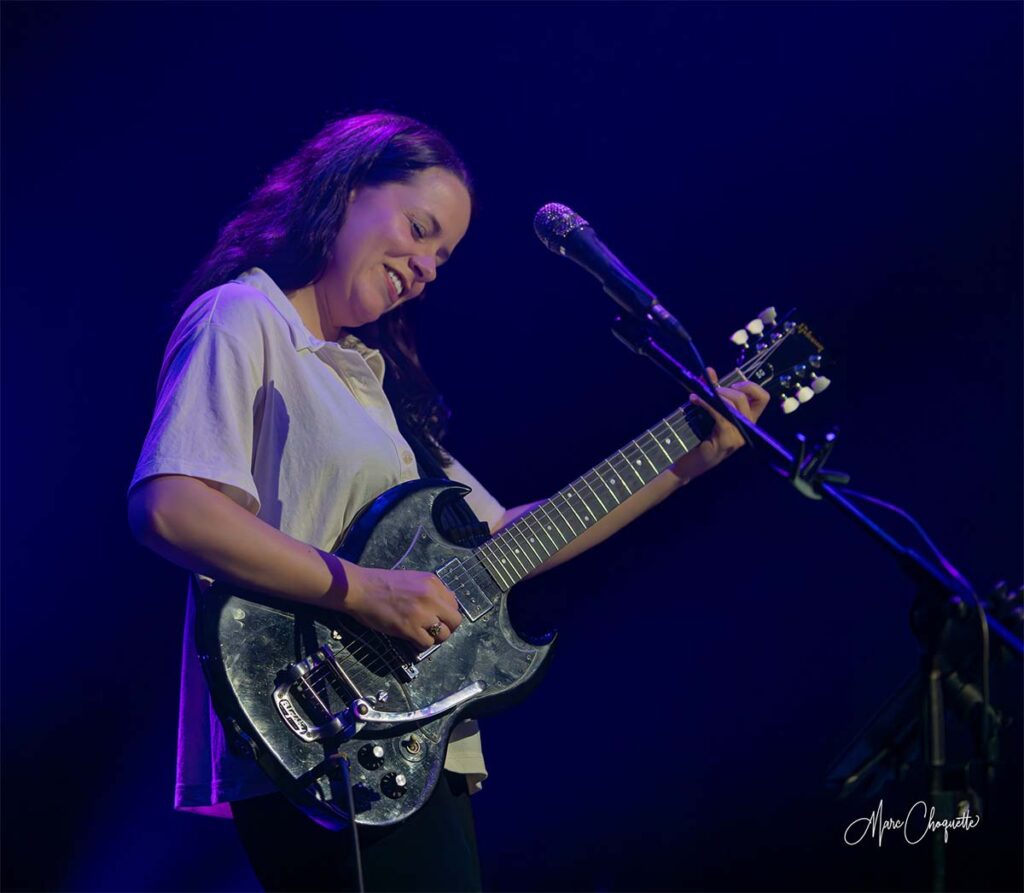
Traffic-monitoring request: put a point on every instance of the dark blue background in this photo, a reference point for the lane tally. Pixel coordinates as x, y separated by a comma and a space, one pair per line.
860, 161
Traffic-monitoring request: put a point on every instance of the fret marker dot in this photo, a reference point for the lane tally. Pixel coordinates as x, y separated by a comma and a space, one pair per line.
638, 462
503, 561
667, 440
517, 551
532, 540
549, 526
613, 481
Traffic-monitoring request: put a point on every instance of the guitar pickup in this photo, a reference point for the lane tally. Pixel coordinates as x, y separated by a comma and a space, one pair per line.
471, 598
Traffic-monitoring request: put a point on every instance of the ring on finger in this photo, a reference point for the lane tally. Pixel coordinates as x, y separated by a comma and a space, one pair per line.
434, 629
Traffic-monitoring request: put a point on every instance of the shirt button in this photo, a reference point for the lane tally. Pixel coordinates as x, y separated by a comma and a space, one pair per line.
407, 457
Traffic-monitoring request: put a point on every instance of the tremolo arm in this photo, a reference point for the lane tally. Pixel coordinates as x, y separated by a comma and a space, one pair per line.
361, 711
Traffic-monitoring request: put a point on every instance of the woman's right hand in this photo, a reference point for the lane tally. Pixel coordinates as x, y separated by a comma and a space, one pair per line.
401, 603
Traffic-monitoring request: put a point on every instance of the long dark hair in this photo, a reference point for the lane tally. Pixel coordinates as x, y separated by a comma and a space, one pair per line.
289, 225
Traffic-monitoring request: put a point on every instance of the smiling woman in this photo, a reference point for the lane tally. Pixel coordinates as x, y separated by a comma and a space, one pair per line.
292, 225
388, 249
275, 426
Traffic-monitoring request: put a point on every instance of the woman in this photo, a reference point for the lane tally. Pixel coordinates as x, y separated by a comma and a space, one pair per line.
272, 429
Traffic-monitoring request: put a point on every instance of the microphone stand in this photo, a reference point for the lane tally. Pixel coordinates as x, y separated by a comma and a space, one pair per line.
941, 603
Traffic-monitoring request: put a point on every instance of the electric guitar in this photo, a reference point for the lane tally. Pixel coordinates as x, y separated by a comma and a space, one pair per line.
351, 723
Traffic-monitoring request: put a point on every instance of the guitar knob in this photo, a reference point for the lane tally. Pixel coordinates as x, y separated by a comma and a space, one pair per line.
820, 383
371, 756
790, 404
804, 394
394, 785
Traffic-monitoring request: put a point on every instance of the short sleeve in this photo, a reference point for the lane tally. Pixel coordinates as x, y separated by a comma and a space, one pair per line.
483, 504
203, 423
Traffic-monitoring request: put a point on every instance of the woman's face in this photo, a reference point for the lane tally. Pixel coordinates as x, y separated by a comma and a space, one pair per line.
390, 245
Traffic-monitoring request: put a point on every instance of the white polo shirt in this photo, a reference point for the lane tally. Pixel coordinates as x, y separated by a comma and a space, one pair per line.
297, 431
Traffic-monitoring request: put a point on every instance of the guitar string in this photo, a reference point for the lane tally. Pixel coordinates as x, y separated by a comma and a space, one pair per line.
374, 661
687, 412
325, 670
325, 673
368, 656
501, 565
525, 529
371, 656
366, 651
477, 572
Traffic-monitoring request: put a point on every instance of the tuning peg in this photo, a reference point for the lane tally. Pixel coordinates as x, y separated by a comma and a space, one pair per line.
768, 316
819, 383
790, 404
739, 338
804, 394
755, 326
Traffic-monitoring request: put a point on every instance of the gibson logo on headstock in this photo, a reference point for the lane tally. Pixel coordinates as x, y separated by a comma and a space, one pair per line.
809, 335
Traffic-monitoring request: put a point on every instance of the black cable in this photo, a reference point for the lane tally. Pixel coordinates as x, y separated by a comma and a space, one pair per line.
343, 765
982, 616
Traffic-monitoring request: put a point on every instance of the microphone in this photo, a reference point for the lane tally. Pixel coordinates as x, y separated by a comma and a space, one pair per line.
564, 232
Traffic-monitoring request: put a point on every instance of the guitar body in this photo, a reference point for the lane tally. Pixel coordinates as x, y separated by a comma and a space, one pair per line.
283, 677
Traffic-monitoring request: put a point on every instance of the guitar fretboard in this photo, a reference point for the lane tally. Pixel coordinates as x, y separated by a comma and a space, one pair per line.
536, 535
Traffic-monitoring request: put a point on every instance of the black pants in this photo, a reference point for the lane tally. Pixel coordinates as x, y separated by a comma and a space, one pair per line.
434, 849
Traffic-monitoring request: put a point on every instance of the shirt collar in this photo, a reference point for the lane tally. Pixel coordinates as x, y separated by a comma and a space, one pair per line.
302, 338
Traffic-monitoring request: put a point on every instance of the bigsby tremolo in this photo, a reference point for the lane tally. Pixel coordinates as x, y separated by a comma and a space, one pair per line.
297, 689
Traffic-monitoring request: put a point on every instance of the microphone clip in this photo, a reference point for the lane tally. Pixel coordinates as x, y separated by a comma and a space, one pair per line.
639, 334
808, 470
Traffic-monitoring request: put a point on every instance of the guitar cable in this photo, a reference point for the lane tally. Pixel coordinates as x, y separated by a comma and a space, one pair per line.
343, 764
985, 646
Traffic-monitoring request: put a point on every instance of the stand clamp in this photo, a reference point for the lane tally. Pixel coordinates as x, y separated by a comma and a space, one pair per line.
807, 472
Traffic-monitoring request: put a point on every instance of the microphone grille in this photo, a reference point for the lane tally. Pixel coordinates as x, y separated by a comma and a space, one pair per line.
554, 222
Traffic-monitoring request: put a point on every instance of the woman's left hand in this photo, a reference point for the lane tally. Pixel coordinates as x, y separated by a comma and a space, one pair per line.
745, 398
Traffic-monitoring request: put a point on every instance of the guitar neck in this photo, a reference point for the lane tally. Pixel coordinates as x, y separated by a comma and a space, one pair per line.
521, 547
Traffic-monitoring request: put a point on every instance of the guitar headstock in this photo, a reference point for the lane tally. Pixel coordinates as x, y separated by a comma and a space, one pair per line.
782, 356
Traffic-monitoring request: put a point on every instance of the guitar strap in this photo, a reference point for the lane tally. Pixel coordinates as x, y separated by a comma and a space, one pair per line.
457, 520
